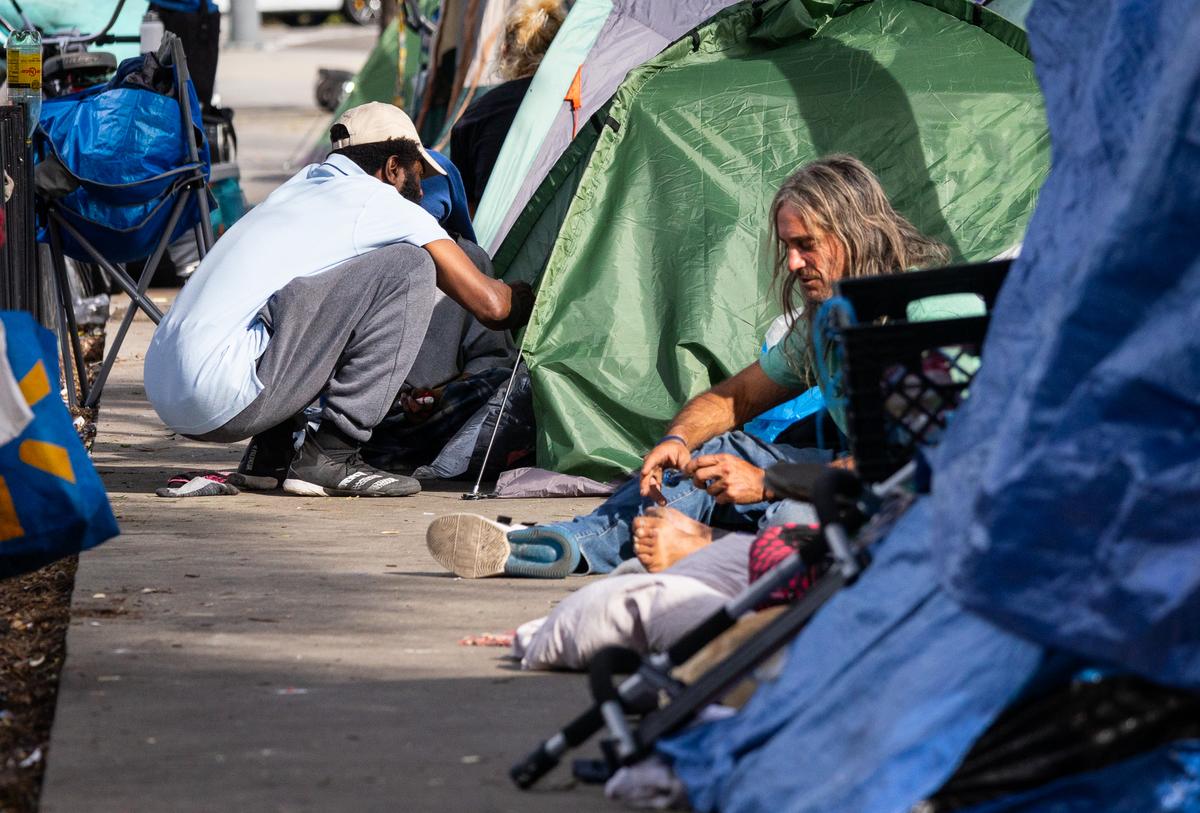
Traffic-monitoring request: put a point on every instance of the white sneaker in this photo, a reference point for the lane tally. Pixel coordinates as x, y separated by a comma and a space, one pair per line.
469, 545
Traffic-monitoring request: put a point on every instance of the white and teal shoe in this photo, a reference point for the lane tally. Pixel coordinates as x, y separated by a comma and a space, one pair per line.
474, 547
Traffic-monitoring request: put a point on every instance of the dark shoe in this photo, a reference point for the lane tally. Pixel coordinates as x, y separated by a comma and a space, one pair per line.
328, 465
268, 455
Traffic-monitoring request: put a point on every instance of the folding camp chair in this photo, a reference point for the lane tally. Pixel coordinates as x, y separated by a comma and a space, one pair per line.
184, 194
895, 405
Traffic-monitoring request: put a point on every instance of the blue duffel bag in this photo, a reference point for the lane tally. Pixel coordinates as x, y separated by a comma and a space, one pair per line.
123, 148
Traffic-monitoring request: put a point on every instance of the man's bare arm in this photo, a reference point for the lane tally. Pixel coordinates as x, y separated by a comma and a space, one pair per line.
488, 300
729, 404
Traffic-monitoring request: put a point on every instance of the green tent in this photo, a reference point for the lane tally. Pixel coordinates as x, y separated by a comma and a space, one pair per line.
432, 76
598, 45
649, 236
381, 79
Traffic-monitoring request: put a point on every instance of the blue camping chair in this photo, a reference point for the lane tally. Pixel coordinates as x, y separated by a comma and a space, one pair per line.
123, 172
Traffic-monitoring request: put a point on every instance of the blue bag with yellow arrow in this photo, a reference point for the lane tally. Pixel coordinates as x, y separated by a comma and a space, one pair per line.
52, 503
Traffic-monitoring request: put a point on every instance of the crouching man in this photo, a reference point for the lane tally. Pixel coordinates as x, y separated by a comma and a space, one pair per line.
321, 293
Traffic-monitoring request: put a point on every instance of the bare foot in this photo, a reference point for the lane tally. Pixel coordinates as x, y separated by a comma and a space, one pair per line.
663, 536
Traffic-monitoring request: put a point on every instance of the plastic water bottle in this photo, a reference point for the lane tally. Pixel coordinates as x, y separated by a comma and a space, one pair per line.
25, 74
151, 32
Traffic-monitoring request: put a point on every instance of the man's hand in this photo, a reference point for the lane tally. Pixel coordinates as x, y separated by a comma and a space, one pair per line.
419, 404
728, 478
520, 307
669, 454
846, 463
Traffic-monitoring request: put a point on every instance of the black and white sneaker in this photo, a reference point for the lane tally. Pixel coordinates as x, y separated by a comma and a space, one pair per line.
268, 455
327, 465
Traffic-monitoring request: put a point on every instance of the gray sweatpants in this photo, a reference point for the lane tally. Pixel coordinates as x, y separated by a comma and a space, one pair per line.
348, 335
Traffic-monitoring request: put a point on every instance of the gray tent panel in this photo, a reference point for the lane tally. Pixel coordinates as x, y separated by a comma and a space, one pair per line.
636, 31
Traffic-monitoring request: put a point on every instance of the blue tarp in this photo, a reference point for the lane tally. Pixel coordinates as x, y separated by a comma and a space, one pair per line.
1163, 781
1077, 458
1067, 492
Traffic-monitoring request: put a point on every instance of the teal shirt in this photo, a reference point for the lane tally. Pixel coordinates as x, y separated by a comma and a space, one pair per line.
787, 362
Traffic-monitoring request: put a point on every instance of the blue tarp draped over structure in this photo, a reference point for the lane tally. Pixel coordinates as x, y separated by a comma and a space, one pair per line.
1164, 781
1066, 505
1077, 458
880, 697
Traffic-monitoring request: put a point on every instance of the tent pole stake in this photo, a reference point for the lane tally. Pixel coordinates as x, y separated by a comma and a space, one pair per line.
474, 494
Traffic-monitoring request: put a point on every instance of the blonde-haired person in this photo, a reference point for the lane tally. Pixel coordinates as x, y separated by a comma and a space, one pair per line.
529, 29
830, 220
477, 137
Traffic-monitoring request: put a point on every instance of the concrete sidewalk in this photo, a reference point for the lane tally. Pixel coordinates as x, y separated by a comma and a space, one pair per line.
268, 652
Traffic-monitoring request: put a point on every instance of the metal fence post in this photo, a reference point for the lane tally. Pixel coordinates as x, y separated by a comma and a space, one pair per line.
244, 22
21, 285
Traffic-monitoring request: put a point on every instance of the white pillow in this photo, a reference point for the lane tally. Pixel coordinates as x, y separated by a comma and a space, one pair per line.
646, 612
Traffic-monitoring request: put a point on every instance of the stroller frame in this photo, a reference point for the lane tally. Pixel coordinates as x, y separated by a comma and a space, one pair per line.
837, 496
192, 182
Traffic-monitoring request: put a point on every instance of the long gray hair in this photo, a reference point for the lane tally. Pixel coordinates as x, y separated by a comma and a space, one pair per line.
842, 197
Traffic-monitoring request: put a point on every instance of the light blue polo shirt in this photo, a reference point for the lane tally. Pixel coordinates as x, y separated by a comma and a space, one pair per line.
201, 365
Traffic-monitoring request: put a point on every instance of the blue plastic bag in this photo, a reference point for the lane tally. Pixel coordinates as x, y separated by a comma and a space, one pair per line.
127, 148
771, 423
768, 425
52, 503
1068, 489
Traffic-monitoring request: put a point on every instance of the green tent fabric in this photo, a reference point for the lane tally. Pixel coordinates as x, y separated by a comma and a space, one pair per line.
631, 33
377, 80
1014, 11
1006, 21
658, 282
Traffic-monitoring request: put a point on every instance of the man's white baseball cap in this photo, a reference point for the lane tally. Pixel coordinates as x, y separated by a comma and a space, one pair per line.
373, 122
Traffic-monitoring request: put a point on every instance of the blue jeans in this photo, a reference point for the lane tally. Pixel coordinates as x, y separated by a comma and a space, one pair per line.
604, 536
